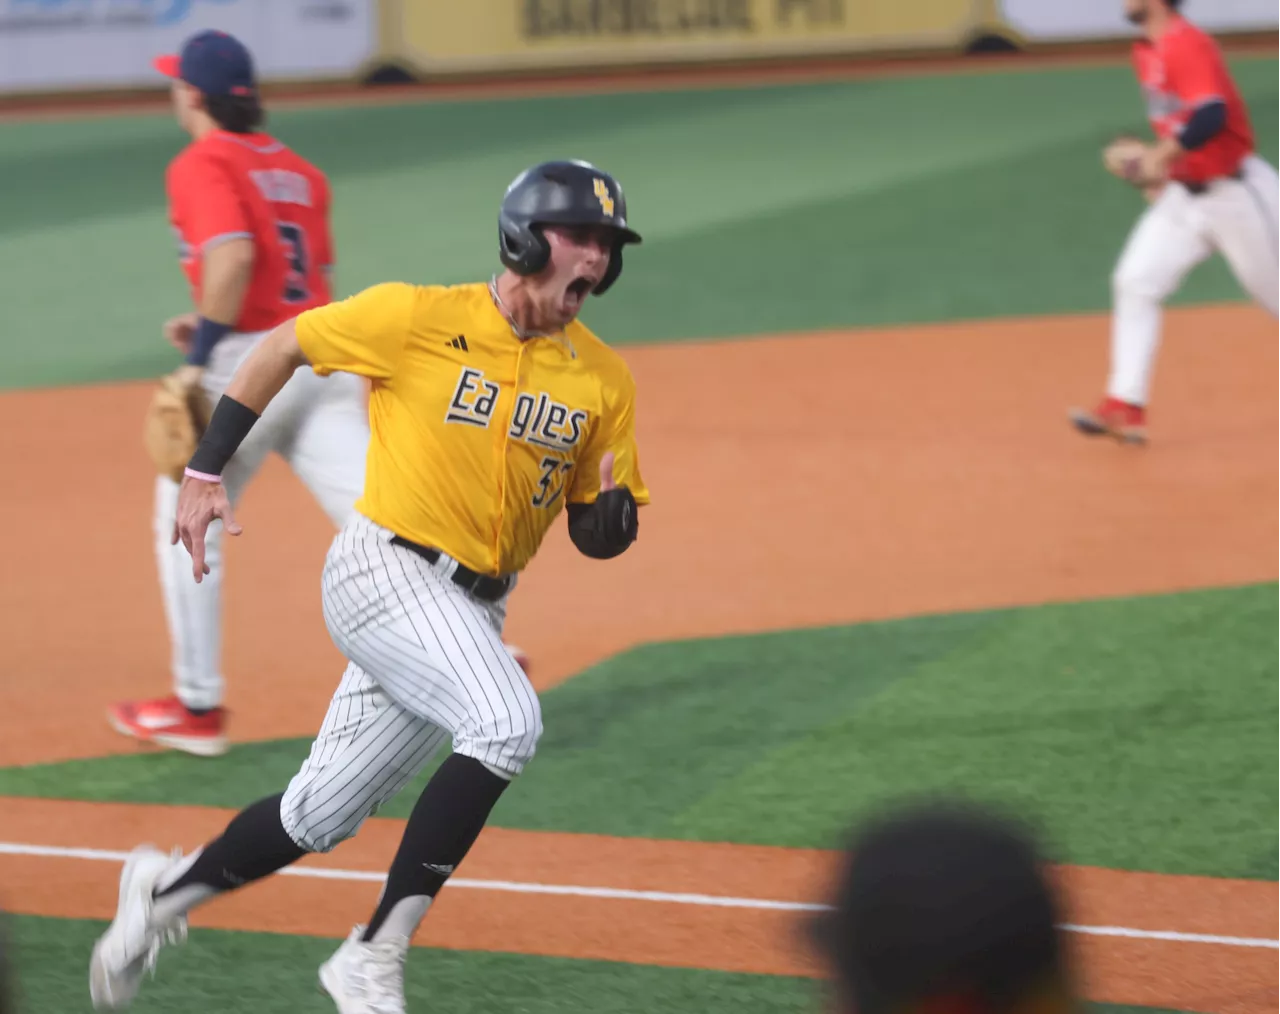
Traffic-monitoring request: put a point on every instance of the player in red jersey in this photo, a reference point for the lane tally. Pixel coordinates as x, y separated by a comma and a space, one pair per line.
1210, 192
252, 223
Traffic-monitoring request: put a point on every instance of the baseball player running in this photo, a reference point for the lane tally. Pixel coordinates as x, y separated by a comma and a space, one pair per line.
252, 222
491, 409
1209, 191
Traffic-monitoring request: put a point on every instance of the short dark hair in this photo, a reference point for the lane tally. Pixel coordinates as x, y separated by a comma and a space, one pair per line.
941, 900
236, 114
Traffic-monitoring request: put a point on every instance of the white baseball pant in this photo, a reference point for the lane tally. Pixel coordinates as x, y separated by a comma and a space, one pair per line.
1237, 218
320, 426
427, 662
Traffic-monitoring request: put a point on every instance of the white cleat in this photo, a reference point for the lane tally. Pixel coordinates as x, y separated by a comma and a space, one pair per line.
366, 978
128, 949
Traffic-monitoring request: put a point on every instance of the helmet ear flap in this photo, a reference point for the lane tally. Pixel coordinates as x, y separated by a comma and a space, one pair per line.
612, 271
522, 247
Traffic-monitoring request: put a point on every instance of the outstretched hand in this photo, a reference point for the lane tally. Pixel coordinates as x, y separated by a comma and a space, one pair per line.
199, 502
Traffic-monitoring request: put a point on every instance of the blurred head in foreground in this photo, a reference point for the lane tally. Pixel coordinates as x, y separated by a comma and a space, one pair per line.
943, 908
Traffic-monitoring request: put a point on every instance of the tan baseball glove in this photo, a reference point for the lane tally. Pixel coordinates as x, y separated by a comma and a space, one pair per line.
175, 421
1123, 158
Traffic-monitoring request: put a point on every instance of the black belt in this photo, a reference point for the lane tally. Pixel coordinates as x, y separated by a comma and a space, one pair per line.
482, 586
1198, 187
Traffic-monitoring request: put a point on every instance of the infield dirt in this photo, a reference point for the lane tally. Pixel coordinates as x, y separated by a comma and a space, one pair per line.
797, 481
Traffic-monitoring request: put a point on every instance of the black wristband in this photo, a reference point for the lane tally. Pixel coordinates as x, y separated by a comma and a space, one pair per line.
228, 426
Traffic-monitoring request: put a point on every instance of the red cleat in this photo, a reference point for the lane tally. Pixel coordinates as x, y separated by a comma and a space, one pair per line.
166, 721
1113, 418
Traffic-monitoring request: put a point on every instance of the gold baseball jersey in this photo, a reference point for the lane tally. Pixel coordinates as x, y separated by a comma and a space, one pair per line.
478, 437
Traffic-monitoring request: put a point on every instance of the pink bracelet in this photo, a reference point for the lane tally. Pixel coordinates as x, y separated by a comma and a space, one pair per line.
202, 476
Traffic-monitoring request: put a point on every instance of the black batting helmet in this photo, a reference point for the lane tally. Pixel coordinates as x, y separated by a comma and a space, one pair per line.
560, 193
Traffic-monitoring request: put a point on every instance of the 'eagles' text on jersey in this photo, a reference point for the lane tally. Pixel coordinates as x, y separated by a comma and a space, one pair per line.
478, 438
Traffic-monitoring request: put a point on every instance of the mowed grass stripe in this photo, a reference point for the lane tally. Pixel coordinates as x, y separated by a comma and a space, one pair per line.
1139, 733
788, 208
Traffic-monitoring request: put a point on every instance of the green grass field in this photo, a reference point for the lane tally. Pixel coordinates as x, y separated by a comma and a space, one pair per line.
851, 214
1124, 727
1139, 733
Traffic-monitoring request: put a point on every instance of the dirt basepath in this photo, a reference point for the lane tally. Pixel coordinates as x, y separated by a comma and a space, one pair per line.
875, 474
1210, 978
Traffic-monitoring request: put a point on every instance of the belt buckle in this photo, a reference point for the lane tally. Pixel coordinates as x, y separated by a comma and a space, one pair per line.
482, 586
465, 578
490, 588
493, 587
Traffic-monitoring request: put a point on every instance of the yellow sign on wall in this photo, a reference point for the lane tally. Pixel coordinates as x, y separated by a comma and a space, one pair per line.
439, 36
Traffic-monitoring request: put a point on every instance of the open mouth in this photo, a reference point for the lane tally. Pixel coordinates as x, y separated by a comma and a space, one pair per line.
579, 287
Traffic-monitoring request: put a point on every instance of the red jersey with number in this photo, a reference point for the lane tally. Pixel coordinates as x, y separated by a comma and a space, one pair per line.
1180, 71
228, 186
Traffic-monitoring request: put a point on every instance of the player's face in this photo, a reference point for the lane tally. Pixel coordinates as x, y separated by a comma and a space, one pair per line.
186, 100
579, 258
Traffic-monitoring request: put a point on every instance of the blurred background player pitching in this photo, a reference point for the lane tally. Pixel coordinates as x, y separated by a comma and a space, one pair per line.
1209, 191
252, 224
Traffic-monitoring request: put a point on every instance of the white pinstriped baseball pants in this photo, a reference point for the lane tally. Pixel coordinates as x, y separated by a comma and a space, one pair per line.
427, 661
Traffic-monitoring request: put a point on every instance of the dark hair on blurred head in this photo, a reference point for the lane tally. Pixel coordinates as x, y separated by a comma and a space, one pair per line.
944, 902
237, 114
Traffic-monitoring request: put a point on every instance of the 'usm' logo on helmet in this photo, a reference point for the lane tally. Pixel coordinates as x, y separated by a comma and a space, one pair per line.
601, 189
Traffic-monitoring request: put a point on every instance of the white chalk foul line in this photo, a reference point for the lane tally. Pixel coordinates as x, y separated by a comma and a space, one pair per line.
1179, 938
619, 894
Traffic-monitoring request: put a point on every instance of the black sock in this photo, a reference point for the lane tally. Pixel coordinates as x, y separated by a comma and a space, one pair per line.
254, 845
445, 823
